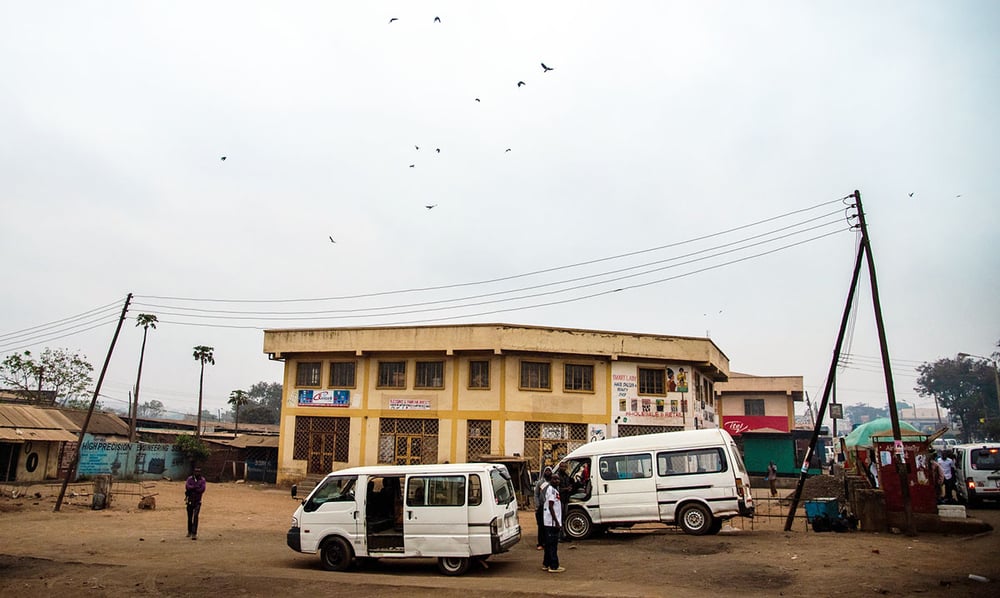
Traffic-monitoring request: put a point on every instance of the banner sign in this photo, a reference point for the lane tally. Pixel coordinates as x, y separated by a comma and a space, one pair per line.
324, 398
409, 404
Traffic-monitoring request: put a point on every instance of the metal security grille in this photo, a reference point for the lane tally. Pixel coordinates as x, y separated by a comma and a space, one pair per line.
546, 443
322, 440
626, 430
478, 443
407, 441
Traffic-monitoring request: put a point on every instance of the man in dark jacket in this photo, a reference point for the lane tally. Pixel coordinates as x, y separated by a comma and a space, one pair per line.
193, 489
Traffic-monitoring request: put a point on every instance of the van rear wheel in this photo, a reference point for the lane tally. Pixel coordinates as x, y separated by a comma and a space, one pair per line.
695, 519
336, 554
453, 565
578, 525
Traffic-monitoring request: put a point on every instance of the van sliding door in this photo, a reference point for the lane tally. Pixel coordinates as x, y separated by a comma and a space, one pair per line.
435, 515
627, 488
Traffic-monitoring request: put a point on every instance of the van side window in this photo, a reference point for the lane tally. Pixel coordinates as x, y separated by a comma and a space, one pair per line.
331, 490
475, 490
436, 491
626, 467
708, 460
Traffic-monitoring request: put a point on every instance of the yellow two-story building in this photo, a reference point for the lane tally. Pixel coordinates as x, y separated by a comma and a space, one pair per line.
430, 394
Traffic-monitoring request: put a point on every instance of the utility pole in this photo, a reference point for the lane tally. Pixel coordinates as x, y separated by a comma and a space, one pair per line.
71, 472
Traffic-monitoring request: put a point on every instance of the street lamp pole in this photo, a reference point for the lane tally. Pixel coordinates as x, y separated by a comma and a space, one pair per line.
996, 369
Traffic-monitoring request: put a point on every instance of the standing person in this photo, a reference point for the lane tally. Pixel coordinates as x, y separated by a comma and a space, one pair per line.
937, 475
948, 471
553, 522
193, 489
772, 478
565, 486
541, 485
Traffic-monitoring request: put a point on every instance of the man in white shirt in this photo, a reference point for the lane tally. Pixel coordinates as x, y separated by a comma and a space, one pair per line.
948, 471
553, 522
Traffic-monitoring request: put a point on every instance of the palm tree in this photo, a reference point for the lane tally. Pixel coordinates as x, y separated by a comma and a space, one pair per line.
147, 321
202, 354
237, 399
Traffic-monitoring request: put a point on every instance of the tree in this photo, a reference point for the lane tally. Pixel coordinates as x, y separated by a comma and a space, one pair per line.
203, 355
147, 321
238, 398
57, 373
266, 397
82, 404
193, 448
967, 389
152, 408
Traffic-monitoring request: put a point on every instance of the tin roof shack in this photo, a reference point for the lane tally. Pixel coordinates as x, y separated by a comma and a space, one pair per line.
31, 442
105, 427
259, 456
874, 441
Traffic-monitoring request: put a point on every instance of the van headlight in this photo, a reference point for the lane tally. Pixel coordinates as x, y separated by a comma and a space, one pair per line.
295, 521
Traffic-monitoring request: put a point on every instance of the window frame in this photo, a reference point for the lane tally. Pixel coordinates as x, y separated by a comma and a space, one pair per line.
300, 373
644, 473
661, 372
756, 403
429, 483
354, 374
694, 453
481, 386
566, 377
386, 383
547, 365
423, 384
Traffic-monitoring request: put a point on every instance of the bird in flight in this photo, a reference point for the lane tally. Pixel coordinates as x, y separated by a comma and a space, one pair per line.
546, 69
223, 158
520, 83
477, 99
431, 207
437, 149
911, 195
437, 19
417, 146
331, 240
393, 19
412, 165
506, 150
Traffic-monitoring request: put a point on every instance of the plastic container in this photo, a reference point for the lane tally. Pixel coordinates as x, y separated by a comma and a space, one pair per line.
821, 506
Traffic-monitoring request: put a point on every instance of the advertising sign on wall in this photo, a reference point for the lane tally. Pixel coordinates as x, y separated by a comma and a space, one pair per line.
738, 424
324, 398
409, 404
626, 401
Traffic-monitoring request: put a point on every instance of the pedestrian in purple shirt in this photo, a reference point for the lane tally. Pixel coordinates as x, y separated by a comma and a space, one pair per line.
193, 489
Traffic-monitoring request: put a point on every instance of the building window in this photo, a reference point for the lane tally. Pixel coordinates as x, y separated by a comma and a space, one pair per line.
579, 378
547, 443
322, 441
652, 382
342, 374
753, 406
478, 441
307, 373
391, 374
535, 375
479, 374
407, 441
430, 374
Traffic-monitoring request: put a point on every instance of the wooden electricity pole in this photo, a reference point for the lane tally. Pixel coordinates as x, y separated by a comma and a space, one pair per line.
864, 252
71, 472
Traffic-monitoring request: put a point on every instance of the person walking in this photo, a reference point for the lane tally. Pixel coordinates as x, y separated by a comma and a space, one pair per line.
194, 487
565, 487
947, 464
553, 522
541, 485
772, 478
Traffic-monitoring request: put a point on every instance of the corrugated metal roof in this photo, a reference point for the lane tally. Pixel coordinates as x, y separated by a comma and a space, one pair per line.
23, 422
254, 441
100, 423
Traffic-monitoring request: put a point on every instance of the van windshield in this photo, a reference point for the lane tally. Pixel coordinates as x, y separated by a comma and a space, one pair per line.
986, 459
503, 488
331, 489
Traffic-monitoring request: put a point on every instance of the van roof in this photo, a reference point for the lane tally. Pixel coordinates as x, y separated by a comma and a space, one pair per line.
663, 440
414, 469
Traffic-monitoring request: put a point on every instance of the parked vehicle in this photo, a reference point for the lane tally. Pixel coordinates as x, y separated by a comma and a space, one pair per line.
455, 513
977, 467
698, 482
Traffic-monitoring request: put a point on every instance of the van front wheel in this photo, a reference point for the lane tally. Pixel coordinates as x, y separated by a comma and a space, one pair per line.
453, 565
695, 519
577, 525
336, 554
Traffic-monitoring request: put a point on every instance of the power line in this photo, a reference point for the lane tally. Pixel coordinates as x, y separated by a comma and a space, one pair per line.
503, 278
95, 312
26, 343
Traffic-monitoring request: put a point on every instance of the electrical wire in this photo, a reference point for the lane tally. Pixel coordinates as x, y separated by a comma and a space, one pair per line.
503, 278
108, 308
26, 343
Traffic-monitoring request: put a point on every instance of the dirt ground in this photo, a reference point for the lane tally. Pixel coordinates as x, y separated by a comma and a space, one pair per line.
241, 550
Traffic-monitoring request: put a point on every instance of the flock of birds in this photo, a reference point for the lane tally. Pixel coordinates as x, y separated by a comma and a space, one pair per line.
437, 150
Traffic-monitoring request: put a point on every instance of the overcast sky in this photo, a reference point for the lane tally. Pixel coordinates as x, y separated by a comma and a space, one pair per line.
661, 126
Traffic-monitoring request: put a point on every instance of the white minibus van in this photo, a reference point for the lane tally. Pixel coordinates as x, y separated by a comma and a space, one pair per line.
452, 512
694, 479
977, 469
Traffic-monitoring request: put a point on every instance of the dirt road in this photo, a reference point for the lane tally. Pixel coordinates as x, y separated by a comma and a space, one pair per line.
241, 551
